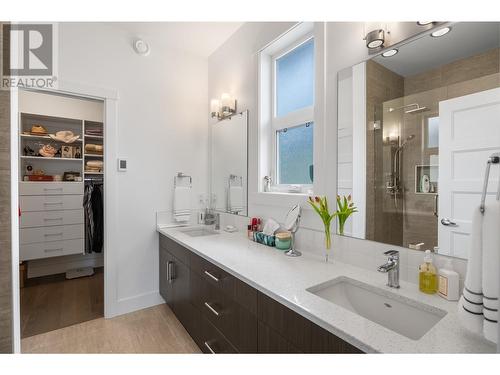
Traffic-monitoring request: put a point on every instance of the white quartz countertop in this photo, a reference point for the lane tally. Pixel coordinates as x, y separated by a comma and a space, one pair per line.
286, 279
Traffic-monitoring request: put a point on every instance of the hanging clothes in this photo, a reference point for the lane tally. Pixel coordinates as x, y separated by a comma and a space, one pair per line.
94, 218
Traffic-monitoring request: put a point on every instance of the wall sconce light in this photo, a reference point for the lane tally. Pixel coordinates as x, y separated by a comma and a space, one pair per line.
223, 108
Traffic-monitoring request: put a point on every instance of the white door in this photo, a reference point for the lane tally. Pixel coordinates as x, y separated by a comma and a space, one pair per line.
469, 132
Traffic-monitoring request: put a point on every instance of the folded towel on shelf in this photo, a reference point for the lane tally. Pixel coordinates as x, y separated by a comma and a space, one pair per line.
235, 199
478, 305
182, 203
94, 163
93, 148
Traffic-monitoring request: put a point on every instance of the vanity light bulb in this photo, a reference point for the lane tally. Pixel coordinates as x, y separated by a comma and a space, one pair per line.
227, 102
214, 106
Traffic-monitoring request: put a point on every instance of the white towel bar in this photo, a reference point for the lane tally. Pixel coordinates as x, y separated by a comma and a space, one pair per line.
493, 159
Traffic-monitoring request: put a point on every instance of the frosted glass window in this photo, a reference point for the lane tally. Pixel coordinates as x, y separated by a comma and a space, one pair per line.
295, 154
295, 79
432, 132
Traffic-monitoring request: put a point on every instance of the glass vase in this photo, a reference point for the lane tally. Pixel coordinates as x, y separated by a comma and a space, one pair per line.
328, 242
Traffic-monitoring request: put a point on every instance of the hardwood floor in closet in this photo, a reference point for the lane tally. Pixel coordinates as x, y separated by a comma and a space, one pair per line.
52, 302
151, 330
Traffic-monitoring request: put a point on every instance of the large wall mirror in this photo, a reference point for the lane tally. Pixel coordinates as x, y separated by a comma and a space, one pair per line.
229, 154
416, 128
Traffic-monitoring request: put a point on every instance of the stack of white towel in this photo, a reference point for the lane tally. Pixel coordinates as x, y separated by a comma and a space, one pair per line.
182, 204
478, 306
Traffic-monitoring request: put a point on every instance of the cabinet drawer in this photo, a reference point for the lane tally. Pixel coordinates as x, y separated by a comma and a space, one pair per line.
175, 249
212, 274
212, 341
47, 234
29, 203
50, 188
50, 249
237, 324
50, 218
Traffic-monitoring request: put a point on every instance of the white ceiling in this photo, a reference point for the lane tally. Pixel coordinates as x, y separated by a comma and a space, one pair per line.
465, 39
198, 38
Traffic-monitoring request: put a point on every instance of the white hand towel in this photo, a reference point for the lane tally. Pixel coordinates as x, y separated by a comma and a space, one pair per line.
491, 269
470, 306
182, 203
235, 198
271, 227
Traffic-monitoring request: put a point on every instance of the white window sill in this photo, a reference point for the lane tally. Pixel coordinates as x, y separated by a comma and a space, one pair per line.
279, 199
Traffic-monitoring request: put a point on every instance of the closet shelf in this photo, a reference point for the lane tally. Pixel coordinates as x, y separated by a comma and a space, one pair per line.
31, 136
52, 158
87, 172
93, 155
94, 136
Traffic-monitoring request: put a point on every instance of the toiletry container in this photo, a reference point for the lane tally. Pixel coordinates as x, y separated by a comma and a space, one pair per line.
283, 240
448, 282
427, 277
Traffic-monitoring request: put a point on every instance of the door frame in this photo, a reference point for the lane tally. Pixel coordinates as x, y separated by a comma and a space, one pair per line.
109, 97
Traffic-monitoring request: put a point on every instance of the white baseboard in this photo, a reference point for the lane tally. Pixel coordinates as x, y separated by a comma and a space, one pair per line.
52, 266
138, 302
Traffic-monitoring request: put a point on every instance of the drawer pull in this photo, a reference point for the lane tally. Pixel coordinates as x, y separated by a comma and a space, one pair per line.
52, 250
50, 219
49, 189
211, 276
170, 272
53, 234
216, 313
50, 203
208, 347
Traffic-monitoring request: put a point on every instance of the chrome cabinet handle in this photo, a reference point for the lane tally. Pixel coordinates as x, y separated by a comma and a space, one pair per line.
447, 222
208, 347
52, 250
211, 276
216, 313
170, 272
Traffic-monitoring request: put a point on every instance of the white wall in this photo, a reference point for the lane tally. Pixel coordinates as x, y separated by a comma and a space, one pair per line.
162, 129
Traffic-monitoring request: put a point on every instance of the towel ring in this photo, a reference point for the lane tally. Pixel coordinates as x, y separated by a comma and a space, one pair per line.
493, 159
182, 175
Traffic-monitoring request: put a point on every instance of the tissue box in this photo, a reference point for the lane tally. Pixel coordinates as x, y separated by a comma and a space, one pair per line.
264, 239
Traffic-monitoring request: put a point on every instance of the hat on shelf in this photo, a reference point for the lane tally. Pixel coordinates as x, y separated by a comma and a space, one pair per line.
47, 151
38, 129
66, 136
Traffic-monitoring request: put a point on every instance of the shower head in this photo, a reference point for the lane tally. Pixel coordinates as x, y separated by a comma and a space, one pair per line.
415, 110
408, 139
418, 109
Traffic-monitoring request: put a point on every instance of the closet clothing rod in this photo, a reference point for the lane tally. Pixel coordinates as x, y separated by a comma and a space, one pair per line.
493, 159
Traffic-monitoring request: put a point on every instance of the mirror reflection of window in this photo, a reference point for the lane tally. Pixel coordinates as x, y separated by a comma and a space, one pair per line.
432, 132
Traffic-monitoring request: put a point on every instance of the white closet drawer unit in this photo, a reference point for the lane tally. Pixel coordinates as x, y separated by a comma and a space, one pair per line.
50, 188
51, 218
30, 203
50, 249
55, 233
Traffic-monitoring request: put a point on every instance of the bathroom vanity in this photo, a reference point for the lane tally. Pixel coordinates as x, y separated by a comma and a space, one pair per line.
226, 315
236, 296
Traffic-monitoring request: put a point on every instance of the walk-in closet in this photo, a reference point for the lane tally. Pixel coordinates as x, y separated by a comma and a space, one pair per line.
61, 210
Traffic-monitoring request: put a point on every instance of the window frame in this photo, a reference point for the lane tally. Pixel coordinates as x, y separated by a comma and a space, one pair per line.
292, 119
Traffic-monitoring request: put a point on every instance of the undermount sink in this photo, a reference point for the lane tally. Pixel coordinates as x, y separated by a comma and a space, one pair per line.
399, 314
198, 231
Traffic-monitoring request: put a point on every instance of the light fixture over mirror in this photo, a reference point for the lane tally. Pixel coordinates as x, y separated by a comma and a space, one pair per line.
224, 107
375, 39
441, 32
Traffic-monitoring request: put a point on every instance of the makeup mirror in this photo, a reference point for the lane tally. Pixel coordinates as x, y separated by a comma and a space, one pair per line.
292, 222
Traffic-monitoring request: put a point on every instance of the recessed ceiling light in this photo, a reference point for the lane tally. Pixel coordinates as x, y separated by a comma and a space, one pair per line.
423, 23
390, 53
441, 32
141, 47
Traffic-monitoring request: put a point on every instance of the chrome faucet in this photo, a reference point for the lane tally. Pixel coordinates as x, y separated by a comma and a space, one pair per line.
391, 268
212, 218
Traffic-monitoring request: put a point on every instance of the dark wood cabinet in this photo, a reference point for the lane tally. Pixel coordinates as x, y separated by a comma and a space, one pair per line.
225, 315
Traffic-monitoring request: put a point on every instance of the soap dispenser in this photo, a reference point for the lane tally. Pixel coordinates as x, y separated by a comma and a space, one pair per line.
427, 278
448, 282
